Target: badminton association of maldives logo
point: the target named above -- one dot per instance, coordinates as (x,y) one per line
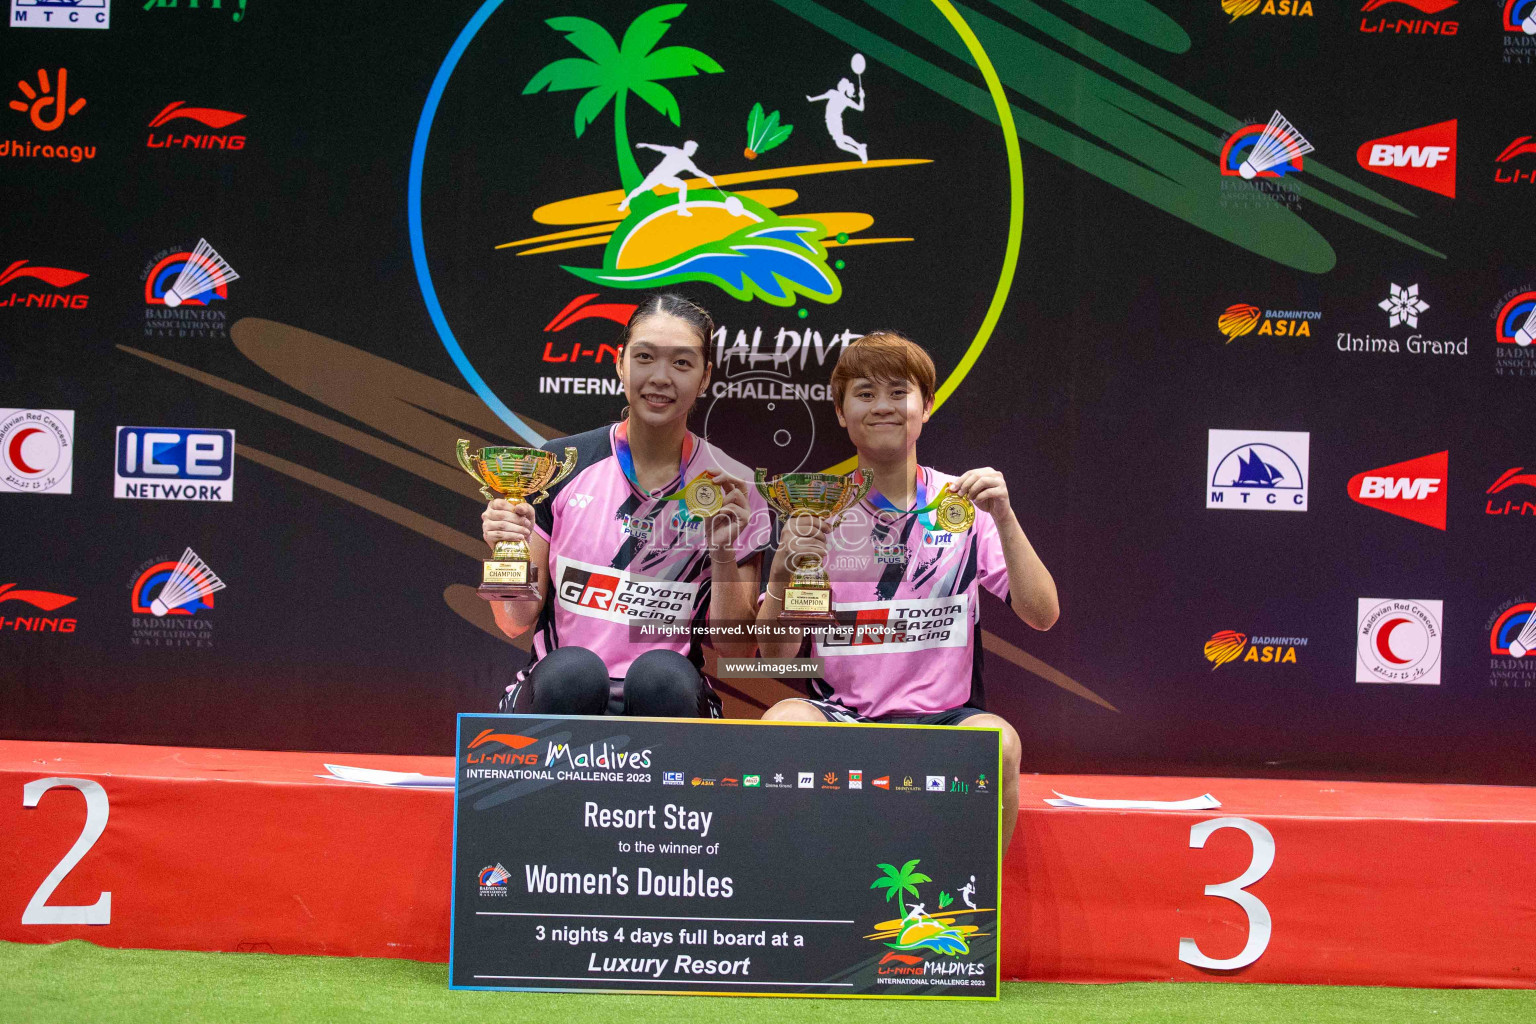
(1270,149)
(169,599)
(185,291)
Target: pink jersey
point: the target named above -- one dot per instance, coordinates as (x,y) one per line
(619,556)
(906,601)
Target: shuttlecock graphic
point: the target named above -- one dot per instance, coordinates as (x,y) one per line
(189,581)
(1521,645)
(204,271)
(1278,143)
(1238,8)
(1527,332)
(1239,319)
(1403,306)
(1224,646)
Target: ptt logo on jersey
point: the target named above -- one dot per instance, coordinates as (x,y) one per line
(208,117)
(603,592)
(879,627)
(937,538)
(1396,21)
(61,13)
(175,464)
(1257,470)
(1415,489)
(1422,157)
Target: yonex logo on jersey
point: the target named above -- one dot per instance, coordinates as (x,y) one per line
(579,501)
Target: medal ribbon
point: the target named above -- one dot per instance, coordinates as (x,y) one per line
(922,509)
(627,458)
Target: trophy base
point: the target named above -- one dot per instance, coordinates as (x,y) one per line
(808,606)
(504,580)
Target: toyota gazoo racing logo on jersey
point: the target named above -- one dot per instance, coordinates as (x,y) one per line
(174,464)
(177,135)
(1512,645)
(37,450)
(1228,645)
(1398,641)
(1257,470)
(877,627)
(19,619)
(1521,503)
(603,592)
(1257,160)
(1514,330)
(19,279)
(1422,157)
(1415,489)
(1242,319)
(1516,162)
(1408,18)
(185,292)
(491,747)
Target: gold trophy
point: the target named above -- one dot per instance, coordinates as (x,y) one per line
(513,473)
(808,598)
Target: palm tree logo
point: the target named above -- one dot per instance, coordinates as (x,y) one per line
(897,882)
(614,70)
(916,928)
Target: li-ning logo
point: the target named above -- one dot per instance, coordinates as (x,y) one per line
(56,277)
(576,311)
(511,740)
(42,599)
(206,116)
(1522,146)
(48,108)
(1410,26)
(1515,477)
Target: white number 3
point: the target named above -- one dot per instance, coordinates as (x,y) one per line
(1258,913)
(38,911)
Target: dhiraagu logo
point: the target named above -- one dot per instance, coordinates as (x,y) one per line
(935,928)
(618,149)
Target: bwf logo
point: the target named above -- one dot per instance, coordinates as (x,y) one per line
(1415,489)
(1257,470)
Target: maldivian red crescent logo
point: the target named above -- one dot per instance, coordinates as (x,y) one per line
(511,740)
(46,600)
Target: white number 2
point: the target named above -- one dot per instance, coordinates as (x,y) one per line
(1258,914)
(38,911)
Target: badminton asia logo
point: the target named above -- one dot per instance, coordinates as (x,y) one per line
(1408,18)
(1398,641)
(1261,156)
(1241,319)
(61,13)
(58,296)
(1272,8)
(1514,330)
(639,151)
(190,137)
(170,599)
(1414,490)
(37,450)
(1422,157)
(47,104)
(1512,645)
(184,292)
(17,619)
(1228,645)
(1257,470)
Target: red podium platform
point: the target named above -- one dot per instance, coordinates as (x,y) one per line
(248,850)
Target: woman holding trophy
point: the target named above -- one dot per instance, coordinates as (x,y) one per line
(904,566)
(651,535)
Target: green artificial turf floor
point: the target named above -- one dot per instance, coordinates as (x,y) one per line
(79,983)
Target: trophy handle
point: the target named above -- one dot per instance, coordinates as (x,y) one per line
(760,479)
(565,470)
(534,499)
(461,449)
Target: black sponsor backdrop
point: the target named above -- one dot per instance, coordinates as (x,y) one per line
(1094,398)
(816,864)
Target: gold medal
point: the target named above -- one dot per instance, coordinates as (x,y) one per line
(703,497)
(955,514)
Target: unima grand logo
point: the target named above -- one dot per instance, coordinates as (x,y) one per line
(1423,157)
(1398,641)
(37,450)
(1257,470)
(19,618)
(47,104)
(61,13)
(20,280)
(1408,18)
(179,135)
(1415,489)
(1404,307)
(647,148)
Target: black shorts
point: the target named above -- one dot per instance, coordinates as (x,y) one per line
(835,712)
